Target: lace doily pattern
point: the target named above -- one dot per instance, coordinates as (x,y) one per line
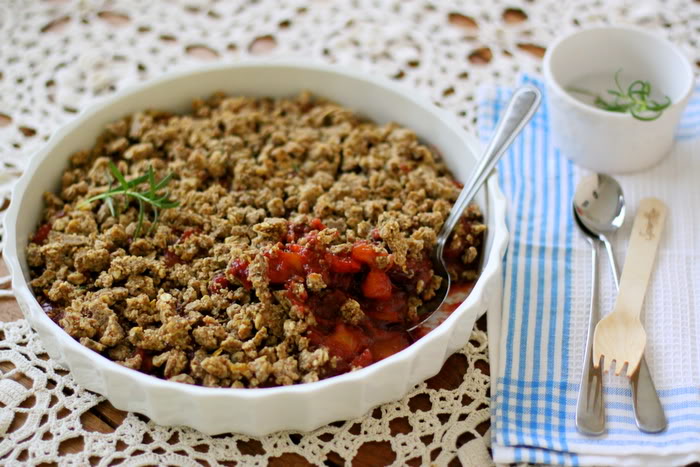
(42,408)
(59,56)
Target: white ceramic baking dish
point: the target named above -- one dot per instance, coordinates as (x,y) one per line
(258,411)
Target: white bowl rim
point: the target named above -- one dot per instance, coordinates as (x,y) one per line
(557,87)
(490,267)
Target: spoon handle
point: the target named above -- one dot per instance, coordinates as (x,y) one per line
(590,407)
(611,260)
(648,411)
(520,109)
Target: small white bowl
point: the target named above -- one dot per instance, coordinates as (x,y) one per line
(613,142)
(258,411)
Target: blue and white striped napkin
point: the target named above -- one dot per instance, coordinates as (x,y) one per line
(538,336)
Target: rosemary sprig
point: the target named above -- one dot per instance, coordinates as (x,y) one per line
(634,100)
(129,189)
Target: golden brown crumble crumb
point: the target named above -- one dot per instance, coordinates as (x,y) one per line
(196,300)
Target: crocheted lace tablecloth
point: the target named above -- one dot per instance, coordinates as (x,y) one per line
(59,56)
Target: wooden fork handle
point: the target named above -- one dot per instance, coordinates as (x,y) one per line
(641,253)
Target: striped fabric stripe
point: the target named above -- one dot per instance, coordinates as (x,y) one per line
(538,378)
(689,127)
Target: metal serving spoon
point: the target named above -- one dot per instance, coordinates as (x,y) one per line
(599,209)
(520,109)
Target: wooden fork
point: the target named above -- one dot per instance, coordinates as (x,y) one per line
(620,336)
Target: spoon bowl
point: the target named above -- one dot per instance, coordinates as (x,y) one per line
(588,234)
(600,204)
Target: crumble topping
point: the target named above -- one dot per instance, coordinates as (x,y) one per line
(300,243)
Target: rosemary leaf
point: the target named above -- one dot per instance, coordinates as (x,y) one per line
(635,100)
(129,189)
